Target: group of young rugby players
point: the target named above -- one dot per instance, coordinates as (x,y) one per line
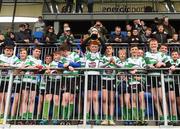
(32,77)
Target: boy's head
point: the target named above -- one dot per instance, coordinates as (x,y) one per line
(134,50)
(122,54)
(36,52)
(8,51)
(164,48)
(175,55)
(23,53)
(48,59)
(94,46)
(64,49)
(140,53)
(109,50)
(153,44)
(56,55)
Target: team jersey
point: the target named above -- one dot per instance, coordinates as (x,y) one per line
(121,74)
(109,74)
(92,61)
(135,63)
(72,57)
(167,58)
(176,63)
(29,76)
(152,59)
(54,64)
(6,60)
(19,63)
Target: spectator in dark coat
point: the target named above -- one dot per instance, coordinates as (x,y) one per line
(116,37)
(22,36)
(10,39)
(50,36)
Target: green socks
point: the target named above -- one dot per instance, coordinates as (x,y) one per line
(56,112)
(46,109)
(134,114)
(124,113)
(129,114)
(27,115)
(142,114)
(70,109)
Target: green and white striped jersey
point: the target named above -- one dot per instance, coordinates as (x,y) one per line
(121,74)
(135,63)
(176,63)
(6,60)
(72,57)
(152,59)
(54,64)
(19,63)
(92,61)
(104,63)
(29,76)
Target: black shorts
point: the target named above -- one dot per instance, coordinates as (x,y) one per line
(4,86)
(69,84)
(122,88)
(29,86)
(53,87)
(109,85)
(94,82)
(169,86)
(16,87)
(177,89)
(154,81)
(135,88)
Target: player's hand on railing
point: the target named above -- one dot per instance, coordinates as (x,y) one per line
(160,64)
(172,68)
(66,65)
(133,71)
(71,68)
(112,61)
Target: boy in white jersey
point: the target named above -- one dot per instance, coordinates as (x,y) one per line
(136,84)
(154,59)
(122,88)
(108,84)
(176,77)
(29,83)
(70,80)
(17,85)
(92,58)
(6,60)
(42,85)
(53,88)
(169,85)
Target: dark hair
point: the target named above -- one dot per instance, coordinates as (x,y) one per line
(164,44)
(21,25)
(37,47)
(9,47)
(23,49)
(64,47)
(48,55)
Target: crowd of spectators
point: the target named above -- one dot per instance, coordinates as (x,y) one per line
(137,32)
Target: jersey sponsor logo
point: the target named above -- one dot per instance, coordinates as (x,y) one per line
(92,65)
(108,71)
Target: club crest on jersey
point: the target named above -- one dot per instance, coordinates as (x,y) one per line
(92,64)
(108,71)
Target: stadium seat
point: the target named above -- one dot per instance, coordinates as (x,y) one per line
(38,35)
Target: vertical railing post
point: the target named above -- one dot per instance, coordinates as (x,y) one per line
(85,98)
(164,98)
(7,103)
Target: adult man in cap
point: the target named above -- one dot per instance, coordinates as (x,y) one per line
(66,37)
